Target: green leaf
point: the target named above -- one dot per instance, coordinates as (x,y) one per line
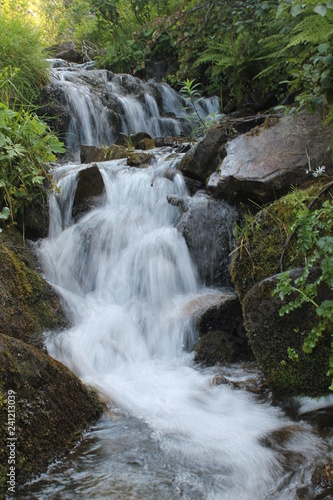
(323,48)
(295,10)
(320,9)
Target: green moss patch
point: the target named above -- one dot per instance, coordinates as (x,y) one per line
(28,305)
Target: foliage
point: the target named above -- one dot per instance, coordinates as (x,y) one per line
(313,228)
(26,146)
(23,68)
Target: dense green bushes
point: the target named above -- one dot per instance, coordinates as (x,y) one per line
(26,144)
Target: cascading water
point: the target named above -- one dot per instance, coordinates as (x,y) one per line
(126,276)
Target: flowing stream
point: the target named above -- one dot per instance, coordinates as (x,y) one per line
(126,276)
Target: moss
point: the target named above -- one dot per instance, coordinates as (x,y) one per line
(52,407)
(271,335)
(28,305)
(260,245)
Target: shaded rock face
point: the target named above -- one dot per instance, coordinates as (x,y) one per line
(28,305)
(52,408)
(270,336)
(269,159)
(90,185)
(67,51)
(206,225)
(203,159)
(222,332)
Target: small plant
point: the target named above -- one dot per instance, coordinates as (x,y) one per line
(26,147)
(312,227)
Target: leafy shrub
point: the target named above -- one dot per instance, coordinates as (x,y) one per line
(26,146)
(313,229)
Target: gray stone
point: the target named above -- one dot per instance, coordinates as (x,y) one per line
(269,159)
(206,225)
(203,158)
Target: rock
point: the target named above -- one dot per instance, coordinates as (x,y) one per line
(52,409)
(173,142)
(35,222)
(265,162)
(206,225)
(222,333)
(145,144)
(259,248)
(322,476)
(90,185)
(139,159)
(203,158)
(90,154)
(28,305)
(67,51)
(271,335)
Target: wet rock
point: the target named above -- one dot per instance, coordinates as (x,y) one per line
(268,160)
(203,158)
(222,332)
(52,409)
(90,185)
(145,144)
(135,159)
(206,225)
(28,305)
(90,154)
(271,335)
(322,476)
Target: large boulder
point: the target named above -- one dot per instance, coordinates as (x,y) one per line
(203,159)
(28,304)
(271,335)
(49,407)
(268,160)
(206,225)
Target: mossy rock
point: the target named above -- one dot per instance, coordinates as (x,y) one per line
(28,304)
(260,245)
(52,409)
(271,335)
(214,348)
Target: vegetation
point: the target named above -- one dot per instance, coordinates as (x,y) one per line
(26,143)
(312,228)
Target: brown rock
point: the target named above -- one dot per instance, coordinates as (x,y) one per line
(90,154)
(136,159)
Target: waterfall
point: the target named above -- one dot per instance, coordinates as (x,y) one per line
(101,104)
(126,276)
